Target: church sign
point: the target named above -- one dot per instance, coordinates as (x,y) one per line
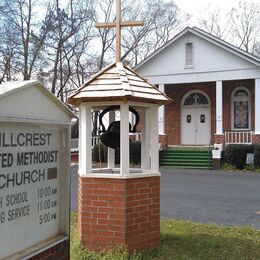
(34,186)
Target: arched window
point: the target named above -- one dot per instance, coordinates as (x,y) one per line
(241,109)
(195,98)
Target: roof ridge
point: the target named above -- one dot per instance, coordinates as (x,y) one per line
(124,79)
(228,44)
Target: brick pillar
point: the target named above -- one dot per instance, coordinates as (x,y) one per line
(113,212)
(256,138)
(219,139)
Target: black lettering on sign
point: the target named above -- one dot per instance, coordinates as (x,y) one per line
(29,158)
(6,160)
(24,139)
(21,178)
(52,173)
(16,198)
(17,213)
(2,217)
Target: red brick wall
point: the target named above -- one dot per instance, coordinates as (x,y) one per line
(256,139)
(113,212)
(177,92)
(74,157)
(60,251)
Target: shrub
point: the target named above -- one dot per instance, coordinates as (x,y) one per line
(135,152)
(235,154)
(100,152)
(257,156)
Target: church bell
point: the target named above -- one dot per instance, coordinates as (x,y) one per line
(111,136)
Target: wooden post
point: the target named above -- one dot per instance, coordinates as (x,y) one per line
(118,24)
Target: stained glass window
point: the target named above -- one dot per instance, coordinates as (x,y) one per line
(241,109)
(196,99)
(241,93)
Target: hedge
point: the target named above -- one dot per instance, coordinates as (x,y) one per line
(100,152)
(257,156)
(235,154)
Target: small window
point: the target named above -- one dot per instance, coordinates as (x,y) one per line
(189,54)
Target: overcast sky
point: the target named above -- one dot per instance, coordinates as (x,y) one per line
(195,7)
(198,8)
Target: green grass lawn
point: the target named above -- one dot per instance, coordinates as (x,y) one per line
(184,240)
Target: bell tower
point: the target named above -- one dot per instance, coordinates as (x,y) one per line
(117,204)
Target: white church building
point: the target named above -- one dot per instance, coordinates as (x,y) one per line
(215,88)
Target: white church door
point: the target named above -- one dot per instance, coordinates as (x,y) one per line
(195,119)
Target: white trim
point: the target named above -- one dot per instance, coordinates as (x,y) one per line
(146,134)
(85,149)
(249,108)
(162,113)
(188,76)
(103,104)
(142,174)
(124,139)
(219,108)
(257,106)
(110,151)
(154,140)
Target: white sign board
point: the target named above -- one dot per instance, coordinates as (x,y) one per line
(249,158)
(32,185)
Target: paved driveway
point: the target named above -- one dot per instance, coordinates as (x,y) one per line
(211,196)
(205,196)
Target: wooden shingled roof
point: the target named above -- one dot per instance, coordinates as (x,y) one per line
(118,82)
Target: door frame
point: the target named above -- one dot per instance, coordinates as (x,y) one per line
(208,106)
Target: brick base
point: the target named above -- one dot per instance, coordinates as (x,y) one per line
(60,251)
(113,212)
(256,139)
(219,139)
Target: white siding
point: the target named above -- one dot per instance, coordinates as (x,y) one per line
(211,63)
(33,103)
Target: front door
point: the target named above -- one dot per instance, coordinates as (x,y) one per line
(195,127)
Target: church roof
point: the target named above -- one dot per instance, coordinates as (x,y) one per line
(210,38)
(118,82)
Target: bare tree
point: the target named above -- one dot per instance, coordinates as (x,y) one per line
(67,41)
(240,25)
(216,22)
(246,25)
(8,55)
(161,19)
(104,13)
(18,15)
